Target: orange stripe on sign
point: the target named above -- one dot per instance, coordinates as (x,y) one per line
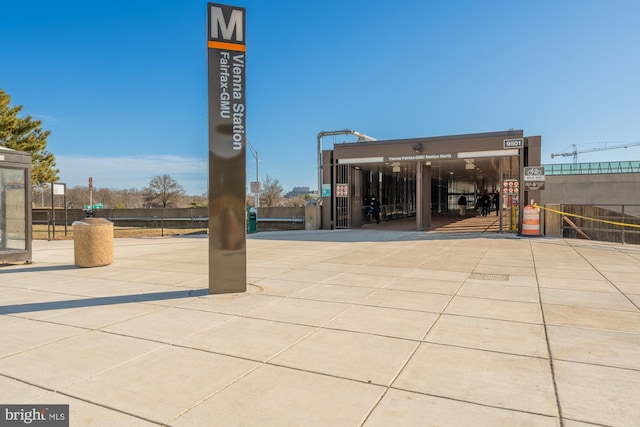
(226,46)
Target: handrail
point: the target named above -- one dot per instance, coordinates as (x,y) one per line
(156,218)
(201,219)
(292,219)
(603,221)
(46,221)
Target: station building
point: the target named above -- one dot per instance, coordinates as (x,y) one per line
(422,177)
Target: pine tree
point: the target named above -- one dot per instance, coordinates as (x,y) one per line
(26,134)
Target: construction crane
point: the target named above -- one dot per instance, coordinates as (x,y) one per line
(575,151)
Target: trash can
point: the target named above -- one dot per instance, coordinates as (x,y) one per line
(93,242)
(252,220)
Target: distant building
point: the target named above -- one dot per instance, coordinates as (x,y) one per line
(300,192)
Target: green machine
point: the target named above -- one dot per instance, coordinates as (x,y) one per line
(252,220)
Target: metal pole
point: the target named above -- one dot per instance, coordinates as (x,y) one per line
(501,197)
(258,181)
(361,137)
(254,152)
(521,194)
(53,211)
(622,234)
(320,135)
(66,210)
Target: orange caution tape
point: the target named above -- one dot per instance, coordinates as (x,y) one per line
(623,224)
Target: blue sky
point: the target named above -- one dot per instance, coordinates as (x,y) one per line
(122,85)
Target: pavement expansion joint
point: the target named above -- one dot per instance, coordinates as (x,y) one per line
(489,276)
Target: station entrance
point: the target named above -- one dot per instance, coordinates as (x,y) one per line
(422,180)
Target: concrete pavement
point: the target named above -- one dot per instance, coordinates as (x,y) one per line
(338,328)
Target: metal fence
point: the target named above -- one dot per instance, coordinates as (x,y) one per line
(596,168)
(343,201)
(276,218)
(608,223)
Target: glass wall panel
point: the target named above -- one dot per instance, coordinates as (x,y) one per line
(13,209)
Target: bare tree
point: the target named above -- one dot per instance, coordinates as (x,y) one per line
(271,194)
(131,198)
(163,191)
(112,198)
(295,201)
(77,197)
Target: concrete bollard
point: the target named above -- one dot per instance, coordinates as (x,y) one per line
(93,242)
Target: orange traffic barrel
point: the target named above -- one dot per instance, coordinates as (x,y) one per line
(531,221)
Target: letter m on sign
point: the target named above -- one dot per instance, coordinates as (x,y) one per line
(226,24)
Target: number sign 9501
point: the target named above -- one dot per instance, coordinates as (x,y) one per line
(513,143)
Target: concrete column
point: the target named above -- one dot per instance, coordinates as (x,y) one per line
(418,198)
(423,197)
(552,222)
(355,196)
(312,217)
(426,196)
(327,178)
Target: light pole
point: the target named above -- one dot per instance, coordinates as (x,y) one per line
(255,155)
(361,138)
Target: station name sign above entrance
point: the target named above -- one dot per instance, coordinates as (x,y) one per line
(441,156)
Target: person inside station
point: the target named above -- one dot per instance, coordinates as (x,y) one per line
(485,204)
(462,205)
(366,208)
(375,209)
